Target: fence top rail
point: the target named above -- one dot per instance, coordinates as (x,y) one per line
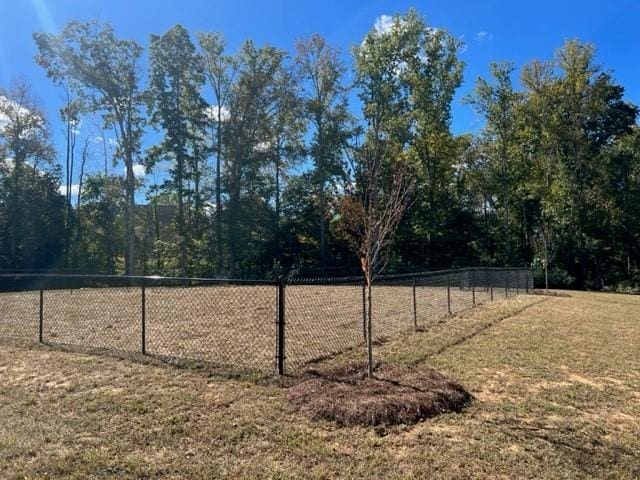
(36,281)
(400,276)
(32,281)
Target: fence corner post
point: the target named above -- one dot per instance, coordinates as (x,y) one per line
(491,289)
(144,318)
(41,317)
(280,335)
(506,285)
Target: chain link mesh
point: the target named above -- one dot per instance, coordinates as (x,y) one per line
(322,320)
(228,325)
(19,316)
(107,318)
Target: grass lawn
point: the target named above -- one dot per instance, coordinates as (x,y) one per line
(556,383)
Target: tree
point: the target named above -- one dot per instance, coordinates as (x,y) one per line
(251,102)
(431,73)
(284,146)
(371,217)
(105,69)
(176,106)
(29,181)
(325,107)
(498,103)
(382,173)
(220,71)
(104,207)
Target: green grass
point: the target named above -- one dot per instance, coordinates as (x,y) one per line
(556,384)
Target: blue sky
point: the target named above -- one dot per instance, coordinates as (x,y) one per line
(492,30)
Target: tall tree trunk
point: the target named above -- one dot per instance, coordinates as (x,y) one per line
(234,205)
(130,255)
(15,213)
(78,237)
(219,253)
(277,226)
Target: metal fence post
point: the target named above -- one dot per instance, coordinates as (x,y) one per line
(506,285)
(526,283)
(144,320)
(473,288)
(415,305)
(280,346)
(491,286)
(41,317)
(448,294)
(517,282)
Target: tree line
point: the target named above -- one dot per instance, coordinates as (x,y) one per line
(263,167)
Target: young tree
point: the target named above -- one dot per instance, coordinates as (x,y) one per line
(105,69)
(383,175)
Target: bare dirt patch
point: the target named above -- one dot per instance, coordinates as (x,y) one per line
(395,395)
(551,293)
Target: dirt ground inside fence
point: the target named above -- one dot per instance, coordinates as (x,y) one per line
(555,383)
(230,326)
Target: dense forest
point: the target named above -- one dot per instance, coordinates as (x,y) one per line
(250,157)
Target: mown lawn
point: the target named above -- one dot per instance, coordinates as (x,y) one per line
(556,384)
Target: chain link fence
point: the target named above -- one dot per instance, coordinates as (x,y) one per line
(243,325)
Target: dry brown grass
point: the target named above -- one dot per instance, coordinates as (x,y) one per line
(396,394)
(556,383)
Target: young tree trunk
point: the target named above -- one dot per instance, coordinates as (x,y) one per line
(369,332)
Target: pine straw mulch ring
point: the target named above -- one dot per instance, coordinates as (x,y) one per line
(397,394)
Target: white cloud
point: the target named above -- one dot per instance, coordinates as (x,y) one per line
(262,147)
(482,36)
(76,126)
(75,188)
(4,121)
(139,171)
(383,24)
(211,113)
(11,110)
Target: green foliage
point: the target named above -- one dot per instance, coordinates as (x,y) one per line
(265,160)
(32,211)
